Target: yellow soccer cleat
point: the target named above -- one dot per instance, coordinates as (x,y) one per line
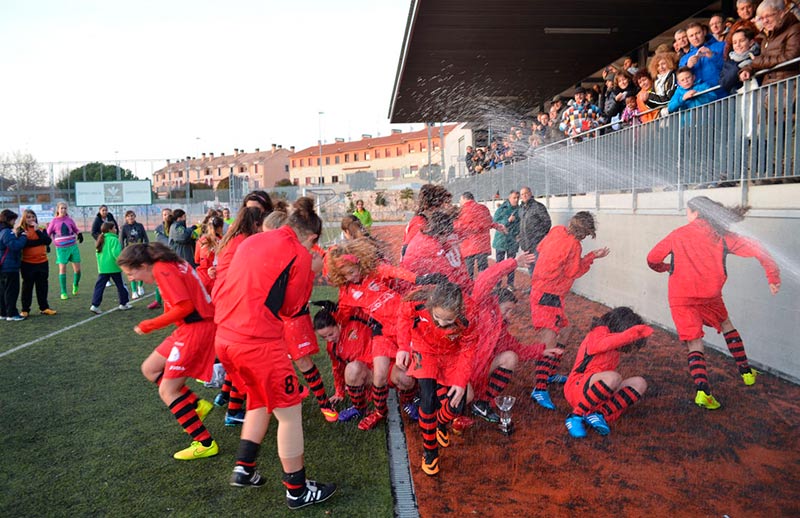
(203,408)
(197,451)
(48,312)
(430,463)
(705,400)
(750,377)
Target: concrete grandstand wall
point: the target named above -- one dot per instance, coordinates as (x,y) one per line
(770,325)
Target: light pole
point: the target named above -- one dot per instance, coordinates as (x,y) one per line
(319,122)
(116,159)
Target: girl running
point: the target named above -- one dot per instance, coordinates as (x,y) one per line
(558,265)
(437,339)
(274,280)
(186,353)
(133,232)
(66,236)
(697,274)
(35,267)
(595,390)
(12,241)
(108,250)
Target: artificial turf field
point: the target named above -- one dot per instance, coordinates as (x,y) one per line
(84,434)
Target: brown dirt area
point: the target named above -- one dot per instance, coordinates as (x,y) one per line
(664,457)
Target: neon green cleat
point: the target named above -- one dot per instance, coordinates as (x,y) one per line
(705,400)
(74,289)
(64,296)
(750,377)
(203,408)
(197,451)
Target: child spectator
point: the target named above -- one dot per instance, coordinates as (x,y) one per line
(581,117)
(108,250)
(35,267)
(685,96)
(697,274)
(66,236)
(363,214)
(630,115)
(132,233)
(12,241)
(744,49)
(595,390)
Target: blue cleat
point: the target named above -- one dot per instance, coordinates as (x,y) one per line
(411,409)
(348,414)
(234,418)
(575,426)
(542,397)
(598,422)
(222,399)
(557,378)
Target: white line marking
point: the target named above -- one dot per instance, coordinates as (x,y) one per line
(73,326)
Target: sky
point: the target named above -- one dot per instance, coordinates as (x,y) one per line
(91,80)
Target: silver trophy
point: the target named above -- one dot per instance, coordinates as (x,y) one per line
(504,404)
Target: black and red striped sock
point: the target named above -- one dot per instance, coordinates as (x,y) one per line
(235,400)
(314,380)
(246,455)
(595,394)
(698,371)
(295,482)
(427,425)
(619,402)
(407,396)
(191,395)
(498,380)
(183,408)
(379,395)
(358,397)
(446,414)
(736,347)
(226,385)
(544,369)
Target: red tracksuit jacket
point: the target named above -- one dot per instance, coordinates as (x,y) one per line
(559,262)
(426,254)
(472,226)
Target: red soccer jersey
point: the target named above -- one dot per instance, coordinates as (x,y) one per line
(472,226)
(599,351)
(697,269)
(559,262)
(224,258)
(270,280)
(178,282)
(426,254)
(416,224)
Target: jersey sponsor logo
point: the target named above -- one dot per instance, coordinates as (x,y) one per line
(357,294)
(304,344)
(176,368)
(453,257)
(174,355)
(374,286)
(383,299)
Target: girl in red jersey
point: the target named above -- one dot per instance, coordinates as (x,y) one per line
(697,274)
(436,340)
(362,278)
(596,391)
(189,351)
(205,252)
(274,280)
(558,265)
(430,198)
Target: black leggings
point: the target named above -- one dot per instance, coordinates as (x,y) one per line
(34,276)
(429,401)
(9,291)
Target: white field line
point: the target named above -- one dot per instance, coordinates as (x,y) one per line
(73,326)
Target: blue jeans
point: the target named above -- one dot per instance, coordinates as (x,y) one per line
(100,286)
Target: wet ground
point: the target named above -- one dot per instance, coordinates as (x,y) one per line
(664,457)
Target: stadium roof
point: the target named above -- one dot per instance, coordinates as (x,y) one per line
(462,59)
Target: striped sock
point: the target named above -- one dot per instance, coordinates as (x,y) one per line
(226,385)
(235,400)
(358,397)
(595,394)
(446,414)
(698,370)
(544,369)
(314,380)
(183,408)
(736,347)
(619,402)
(379,395)
(406,396)
(498,380)
(427,424)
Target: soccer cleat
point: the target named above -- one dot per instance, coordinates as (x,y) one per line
(411,409)
(598,422)
(430,463)
(706,400)
(154,305)
(24,314)
(140,290)
(234,418)
(557,378)
(314,494)
(17,318)
(370,421)
(109,283)
(241,478)
(442,436)
(461,423)
(125,307)
(203,408)
(134,295)
(222,399)
(348,414)
(575,426)
(64,296)
(197,451)
(483,409)
(542,397)
(48,311)
(330,414)
(749,378)
(95,309)
(74,290)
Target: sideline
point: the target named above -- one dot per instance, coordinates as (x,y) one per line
(73,326)
(405,500)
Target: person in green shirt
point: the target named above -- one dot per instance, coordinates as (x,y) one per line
(506,245)
(108,249)
(363,214)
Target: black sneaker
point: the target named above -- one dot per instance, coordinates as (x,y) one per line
(241,478)
(314,494)
(484,410)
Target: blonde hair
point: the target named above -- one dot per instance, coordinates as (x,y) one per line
(58,206)
(360,252)
(275,219)
(670,57)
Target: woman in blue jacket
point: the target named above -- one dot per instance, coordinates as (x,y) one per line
(12,241)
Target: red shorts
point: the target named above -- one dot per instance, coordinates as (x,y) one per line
(690,319)
(441,367)
(355,343)
(384,346)
(547,311)
(575,391)
(263,371)
(189,351)
(300,337)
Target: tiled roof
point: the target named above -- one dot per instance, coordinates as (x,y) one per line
(369,143)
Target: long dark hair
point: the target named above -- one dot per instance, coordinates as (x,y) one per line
(262,198)
(618,320)
(7,217)
(445,295)
(716,214)
(440,224)
(140,254)
(105,228)
(247,223)
(303,219)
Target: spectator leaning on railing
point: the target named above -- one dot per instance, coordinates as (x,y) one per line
(681,43)
(745,49)
(685,96)
(781,42)
(704,58)
(662,68)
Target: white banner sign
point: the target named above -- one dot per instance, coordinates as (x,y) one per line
(94,194)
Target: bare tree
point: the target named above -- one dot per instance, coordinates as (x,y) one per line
(23,171)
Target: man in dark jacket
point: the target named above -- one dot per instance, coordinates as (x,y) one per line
(534,222)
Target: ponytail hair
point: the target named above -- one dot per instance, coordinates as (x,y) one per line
(247,223)
(260,197)
(177,213)
(303,219)
(101,239)
(716,214)
(145,254)
(324,318)
(168,222)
